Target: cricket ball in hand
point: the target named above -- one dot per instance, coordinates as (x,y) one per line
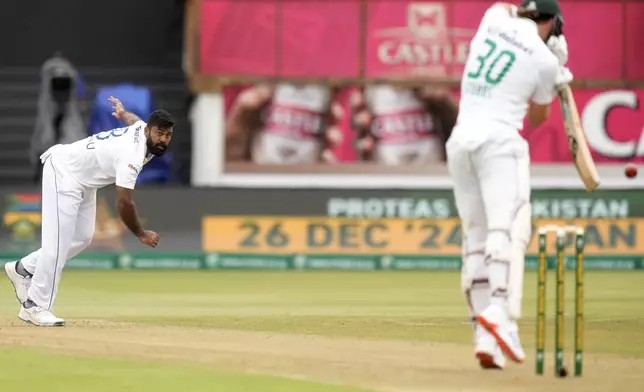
(630,170)
(563,372)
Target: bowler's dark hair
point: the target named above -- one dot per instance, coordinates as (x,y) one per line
(161,119)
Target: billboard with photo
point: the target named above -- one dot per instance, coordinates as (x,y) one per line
(397,127)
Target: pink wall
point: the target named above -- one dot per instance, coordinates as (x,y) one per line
(402,38)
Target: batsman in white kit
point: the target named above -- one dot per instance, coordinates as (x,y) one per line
(72,173)
(515,65)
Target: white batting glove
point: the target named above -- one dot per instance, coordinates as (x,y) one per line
(564,77)
(559,47)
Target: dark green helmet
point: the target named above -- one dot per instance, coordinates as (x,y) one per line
(546,8)
(542,7)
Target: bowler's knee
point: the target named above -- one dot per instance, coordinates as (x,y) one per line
(82,240)
(48,253)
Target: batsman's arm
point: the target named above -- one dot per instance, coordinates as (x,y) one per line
(545,92)
(538,114)
(515,11)
(498,14)
(127,210)
(511,8)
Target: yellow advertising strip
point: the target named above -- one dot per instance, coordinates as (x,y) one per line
(325,235)
(12,217)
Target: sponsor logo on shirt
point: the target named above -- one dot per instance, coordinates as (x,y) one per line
(131,166)
(136,134)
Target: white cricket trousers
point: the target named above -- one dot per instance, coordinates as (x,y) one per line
(492,194)
(68,220)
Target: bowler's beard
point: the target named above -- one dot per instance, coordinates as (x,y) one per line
(157,149)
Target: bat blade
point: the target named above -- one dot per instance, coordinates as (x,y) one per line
(577,144)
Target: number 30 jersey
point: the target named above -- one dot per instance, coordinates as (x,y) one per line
(110,157)
(508,65)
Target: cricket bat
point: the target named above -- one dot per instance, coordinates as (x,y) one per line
(577,140)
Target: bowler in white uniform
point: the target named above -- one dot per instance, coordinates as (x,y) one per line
(516,61)
(72,173)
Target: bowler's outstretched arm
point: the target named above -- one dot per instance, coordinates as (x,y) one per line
(120,113)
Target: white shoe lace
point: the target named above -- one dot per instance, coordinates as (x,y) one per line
(23,279)
(42,312)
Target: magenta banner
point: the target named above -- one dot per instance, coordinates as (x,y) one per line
(401,38)
(238,38)
(406,38)
(595,38)
(319,38)
(634,40)
(613,121)
(410,38)
(315,38)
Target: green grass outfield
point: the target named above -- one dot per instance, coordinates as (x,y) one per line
(389,309)
(61,373)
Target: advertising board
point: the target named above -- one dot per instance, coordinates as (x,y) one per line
(396,38)
(333,228)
